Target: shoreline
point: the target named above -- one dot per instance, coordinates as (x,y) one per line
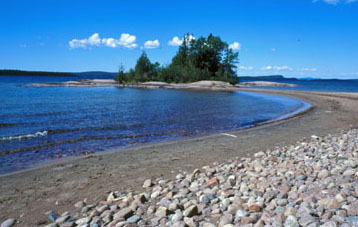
(39,189)
(199,85)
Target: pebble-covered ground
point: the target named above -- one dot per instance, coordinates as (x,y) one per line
(311,183)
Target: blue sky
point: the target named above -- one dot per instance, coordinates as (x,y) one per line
(299,38)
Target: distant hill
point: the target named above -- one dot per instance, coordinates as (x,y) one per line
(98,74)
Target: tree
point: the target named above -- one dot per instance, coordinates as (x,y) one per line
(229,63)
(121,76)
(143,68)
(197,59)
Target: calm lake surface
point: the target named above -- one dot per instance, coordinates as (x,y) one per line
(317,85)
(38,125)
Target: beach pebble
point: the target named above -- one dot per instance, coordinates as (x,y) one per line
(123,213)
(9,222)
(133,219)
(310,183)
(191,211)
(148,183)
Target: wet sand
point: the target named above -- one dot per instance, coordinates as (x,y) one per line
(28,194)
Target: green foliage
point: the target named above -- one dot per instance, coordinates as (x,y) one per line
(197,59)
(121,76)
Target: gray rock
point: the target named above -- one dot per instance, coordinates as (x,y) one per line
(306,219)
(161,212)
(224,220)
(148,183)
(352,219)
(62,219)
(323,173)
(53,216)
(191,211)
(179,224)
(330,224)
(123,213)
(178,216)
(291,221)
(8,223)
(133,219)
(82,221)
(240,214)
(206,224)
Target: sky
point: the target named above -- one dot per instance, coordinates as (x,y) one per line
(295,38)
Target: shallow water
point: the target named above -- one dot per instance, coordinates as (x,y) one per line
(38,125)
(317,85)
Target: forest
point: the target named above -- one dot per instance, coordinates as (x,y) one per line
(205,58)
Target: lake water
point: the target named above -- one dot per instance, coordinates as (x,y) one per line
(318,85)
(38,125)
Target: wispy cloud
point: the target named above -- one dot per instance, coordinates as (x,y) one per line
(152,44)
(335,2)
(126,40)
(308,70)
(277,68)
(235,46)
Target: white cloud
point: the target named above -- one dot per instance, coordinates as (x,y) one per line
(177,42)
(78,43)
(126,40)
(335,2)
(249,68)
(277,68)
(269,67)
(152,44)
(308,70)
(110,42)
(94,40)
(235,46)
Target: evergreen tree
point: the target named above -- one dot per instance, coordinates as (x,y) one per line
(197,59)
(142,68)
(121,76)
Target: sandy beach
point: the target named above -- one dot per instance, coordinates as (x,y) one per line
(29,194)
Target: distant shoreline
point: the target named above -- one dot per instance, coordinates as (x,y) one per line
(211,85)
(34,73)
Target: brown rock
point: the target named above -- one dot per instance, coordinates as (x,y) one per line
(254,207)
(247,220)
(212,182)
(333,204)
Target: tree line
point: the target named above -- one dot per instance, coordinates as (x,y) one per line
(205,58)
(10,72)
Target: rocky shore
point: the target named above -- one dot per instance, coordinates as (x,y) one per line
(28,196)
(266,84)
(310,183)
(207,85)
